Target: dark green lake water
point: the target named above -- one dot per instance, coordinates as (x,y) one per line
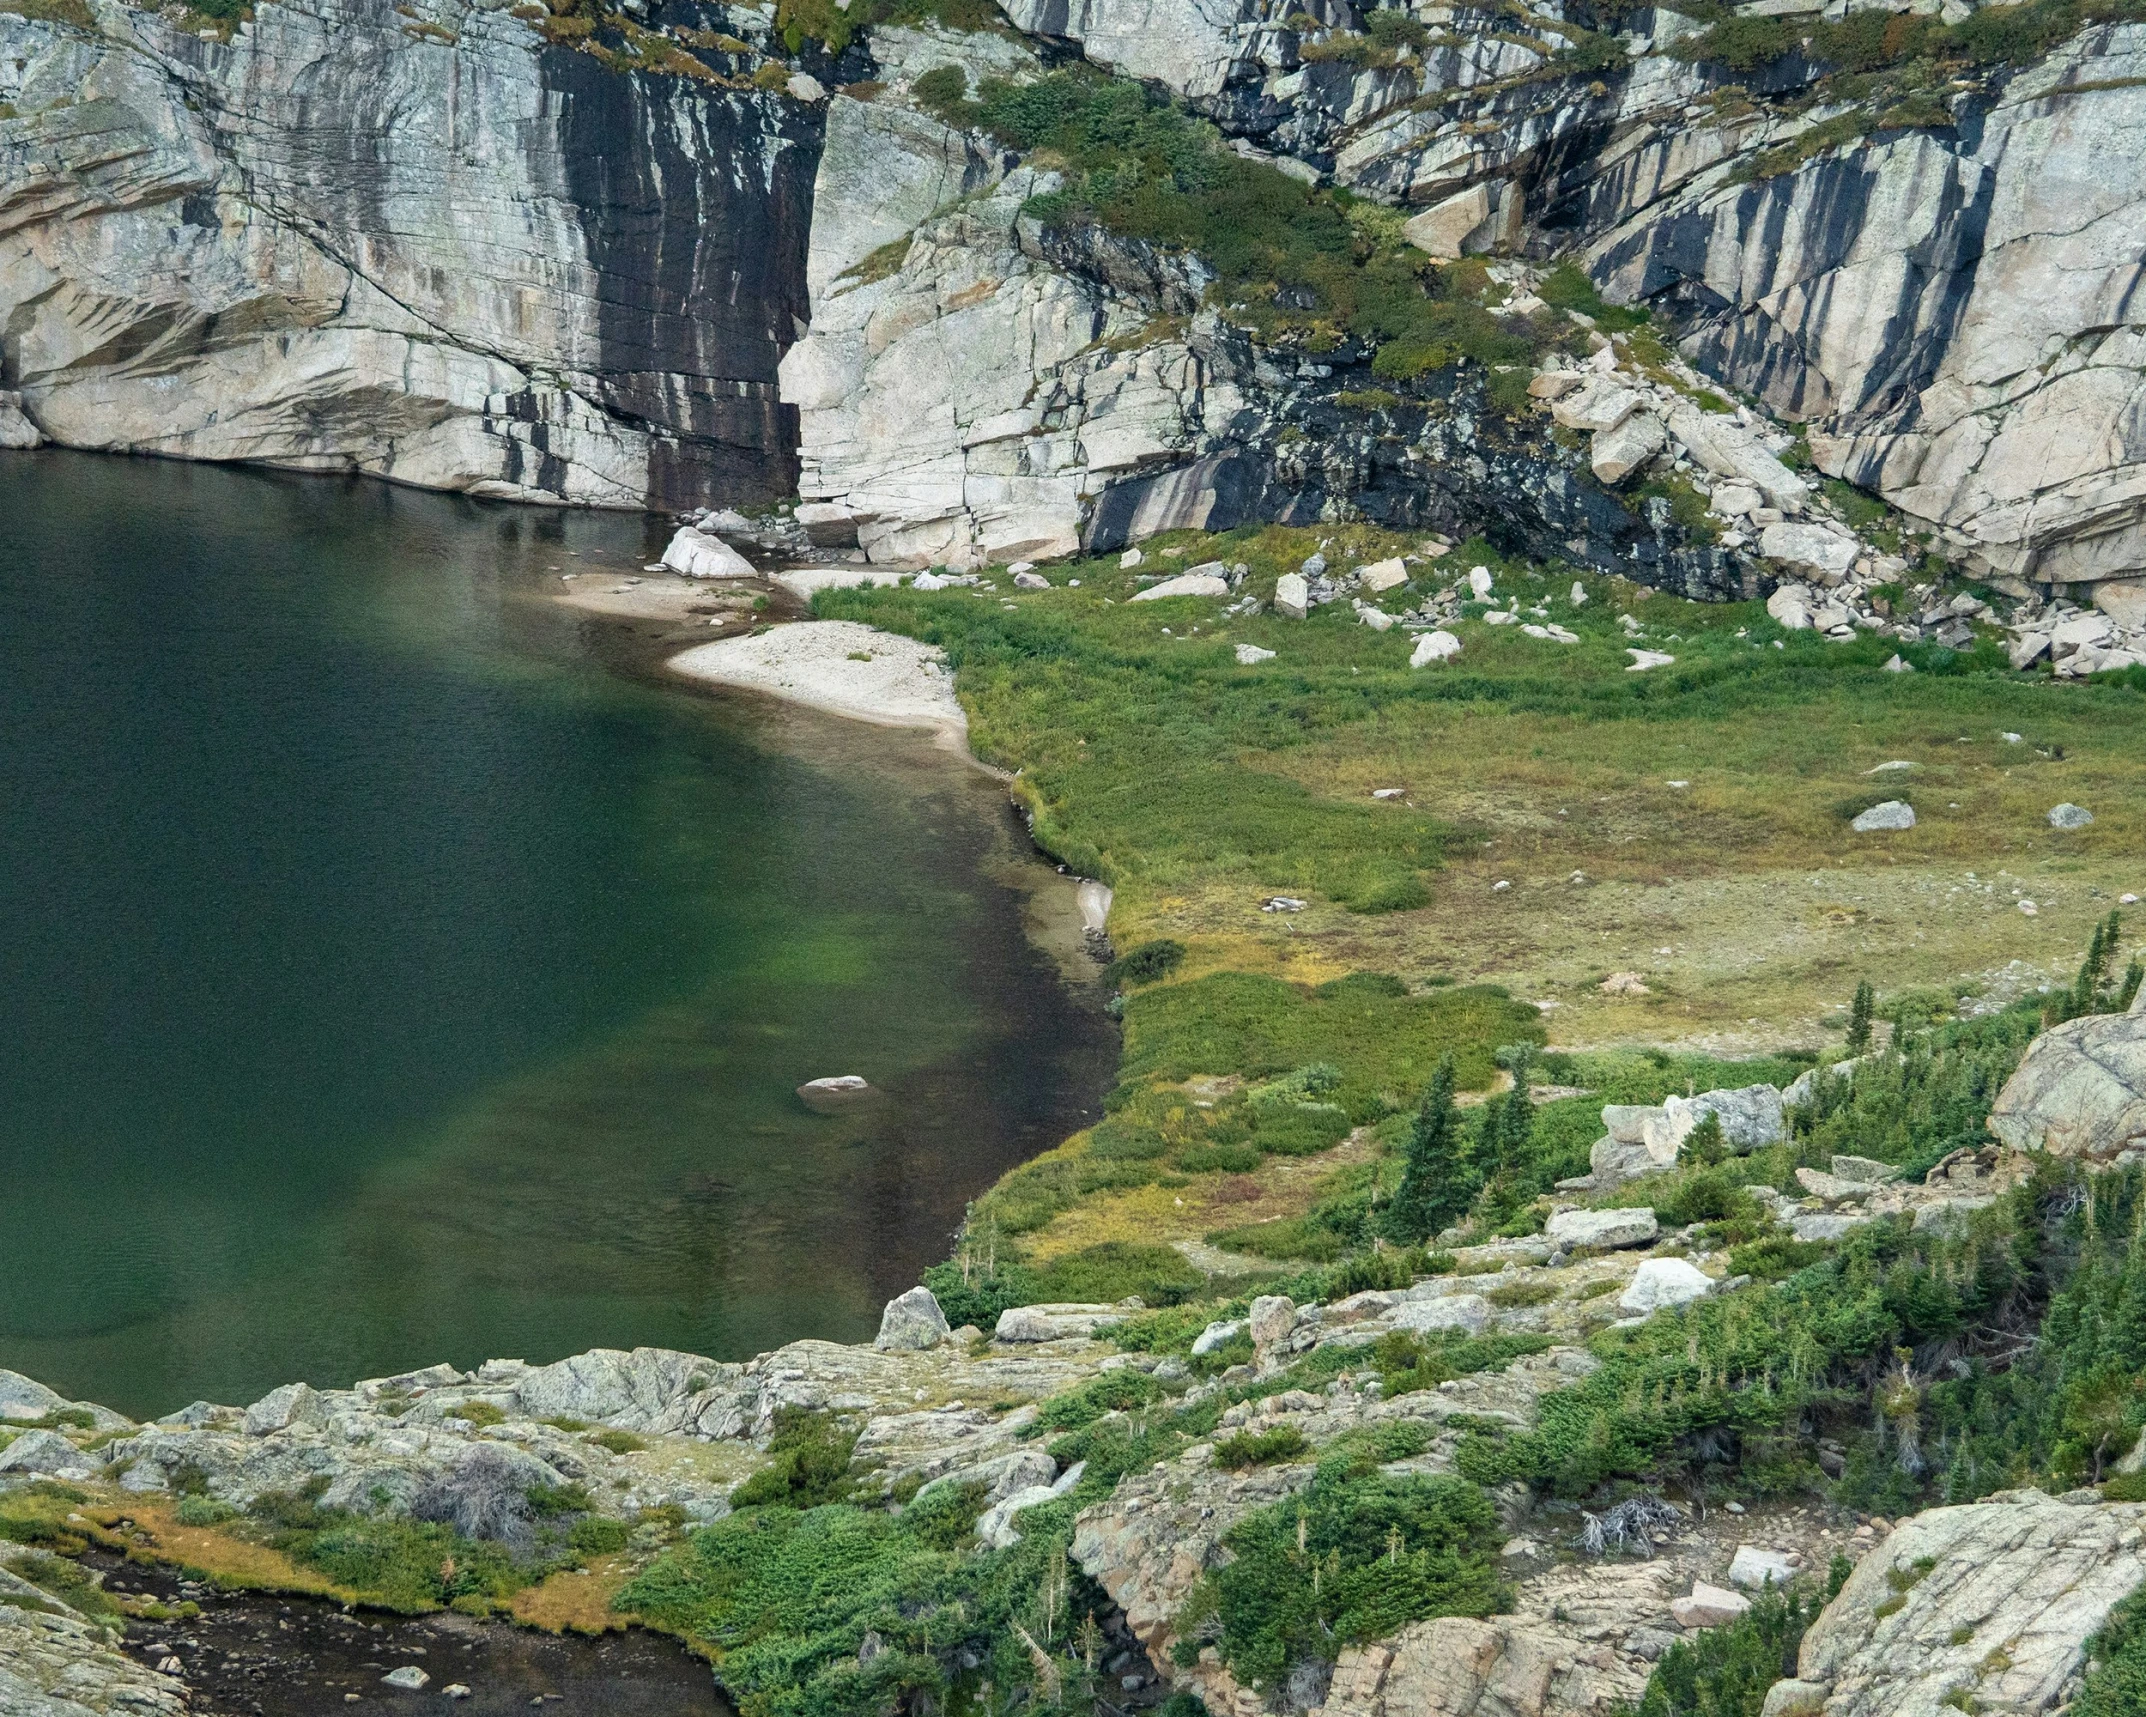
(394,969)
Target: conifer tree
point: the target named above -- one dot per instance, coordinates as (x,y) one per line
(1516,1118)
(1434,1183)
(1859,1012)
(2086,991)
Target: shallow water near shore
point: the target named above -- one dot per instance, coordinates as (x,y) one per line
(394,968)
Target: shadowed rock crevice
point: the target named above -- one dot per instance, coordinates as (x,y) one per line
(696,208)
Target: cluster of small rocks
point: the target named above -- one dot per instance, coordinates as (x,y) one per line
(2076,641)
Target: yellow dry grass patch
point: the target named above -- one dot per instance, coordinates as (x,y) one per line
(1186,1208)
(577,1600)
(1733,959)
(150,1531)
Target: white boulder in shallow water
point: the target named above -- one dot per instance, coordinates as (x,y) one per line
(699,555)
(837,1092)
(912,1323)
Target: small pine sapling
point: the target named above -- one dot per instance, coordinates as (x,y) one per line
(1859,1012)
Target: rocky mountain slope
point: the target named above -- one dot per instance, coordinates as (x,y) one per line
(1148,1452)
(696,255)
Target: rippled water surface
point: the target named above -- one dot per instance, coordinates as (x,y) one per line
(393,968)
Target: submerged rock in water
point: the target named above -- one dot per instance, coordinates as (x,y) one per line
(832,1095)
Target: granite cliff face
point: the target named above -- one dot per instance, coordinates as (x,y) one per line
(424,246)
(658,264)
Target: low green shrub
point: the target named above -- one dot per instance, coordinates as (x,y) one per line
(1289,1239)
(1408,1362)
(1301,1129)
(1147,964)
(1108,1392)
(808,1463)
(618,1442)
(2116,1685)
(1726,1671)
(1116,1270)
(1351,1559)
(1267,1448)
(783,1601)
(67,1580)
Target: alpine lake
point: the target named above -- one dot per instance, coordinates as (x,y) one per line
(397,966)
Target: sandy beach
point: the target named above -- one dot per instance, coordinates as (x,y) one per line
(842,667)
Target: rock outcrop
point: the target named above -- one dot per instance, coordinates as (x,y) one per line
(445,244)
(957,403)
(1983,1607)
(1161,1531)
(54,1663)
(2080,1091)
(412,241)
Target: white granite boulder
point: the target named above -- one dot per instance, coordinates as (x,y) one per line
(1709,1606)
(1605,1229)
(1184,584)
(697,554)
(911,1323)
(49,1454)
(1889,817)
(1755,1569)
(1660,1283)
(294,1404)
(2080,1091)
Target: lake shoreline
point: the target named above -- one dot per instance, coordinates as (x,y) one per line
(647,919)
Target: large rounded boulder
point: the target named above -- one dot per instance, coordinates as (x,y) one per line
(2081,1091)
